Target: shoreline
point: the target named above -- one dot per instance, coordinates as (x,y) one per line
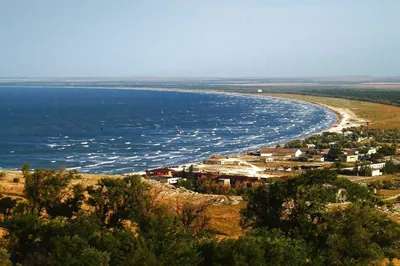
(344,117)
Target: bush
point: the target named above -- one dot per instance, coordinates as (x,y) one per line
(302,159)
(2,174)
(16,180)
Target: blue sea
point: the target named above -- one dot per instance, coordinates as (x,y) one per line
(122,131)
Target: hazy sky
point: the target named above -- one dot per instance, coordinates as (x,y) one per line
(199,38)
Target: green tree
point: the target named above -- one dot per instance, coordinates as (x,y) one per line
(334,153)
(74,250)
(391,168)
(387,150)
(116,200)
(358,235)
(188,184)
(265,205)
(6,206)
(47,190)
(260,247)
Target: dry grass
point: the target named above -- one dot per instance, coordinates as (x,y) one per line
(387,193)
(225,220)
(381,178)
(395,262)
(380,116)
(8,187)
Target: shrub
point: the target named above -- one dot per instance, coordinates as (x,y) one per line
(2,174)
(16,180)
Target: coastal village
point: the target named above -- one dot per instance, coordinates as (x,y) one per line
(349,148)
(286,161)
(282,161)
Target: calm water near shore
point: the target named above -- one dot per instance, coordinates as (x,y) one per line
(120,131)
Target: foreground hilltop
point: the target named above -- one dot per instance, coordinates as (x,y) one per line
(315,218)
(222,210)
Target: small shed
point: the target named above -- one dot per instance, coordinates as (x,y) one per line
(160,172)
(224,181)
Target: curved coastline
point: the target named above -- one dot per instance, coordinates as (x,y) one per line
(345,118)
(339,117)
(337,126)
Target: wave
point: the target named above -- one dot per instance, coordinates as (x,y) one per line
(212,124)
(99,164)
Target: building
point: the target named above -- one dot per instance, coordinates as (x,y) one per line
(165,179)
(162,172)
(317,158)
(348,157)
(347,133)
(224,181)
(373,166)
(376,172)
(253,153)
(307,150)
(312,167)
(312,146)
(215,159)
(377,166)
(279,152)
(371,151)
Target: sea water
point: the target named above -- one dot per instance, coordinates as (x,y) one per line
(121,131)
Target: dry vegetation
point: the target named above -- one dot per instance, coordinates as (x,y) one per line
(224,213)
(225,219)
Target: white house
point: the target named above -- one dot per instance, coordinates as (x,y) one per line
(376,172)
(373,166)
(224,181)
(349,157)
(216,159)
(279,152)
(377,166)
(165,179)
(371,151)
(347,133)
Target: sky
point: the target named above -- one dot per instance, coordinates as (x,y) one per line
(199,38)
